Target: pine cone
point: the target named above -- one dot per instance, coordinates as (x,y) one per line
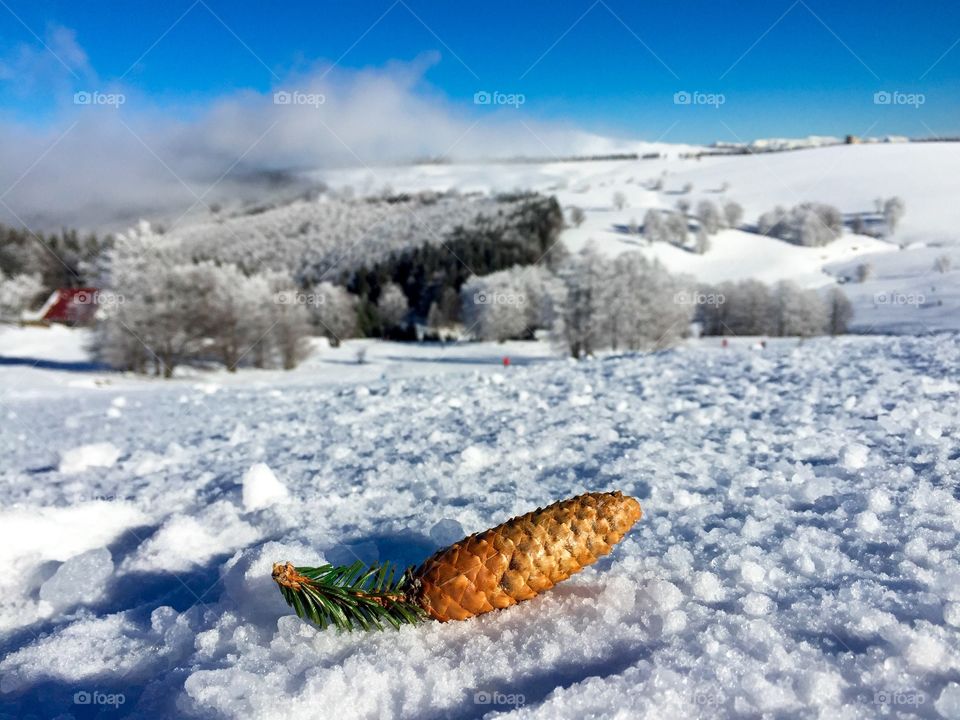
(522,557)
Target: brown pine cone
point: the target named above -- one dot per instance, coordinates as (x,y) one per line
(522,557)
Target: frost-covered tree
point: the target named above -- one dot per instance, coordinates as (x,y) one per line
(893,211)
(864,271)
(683,206)
(676,229)
(335,311)
(942,264)
(163,319)
(839,311)
(653,226)
(19,293)
(238,313)
(582,317)
(797,312)
(808,224)
(769,222)
(748,307)
(628,303)
(392,306)
(290,327)
(577,216)
(641,308)
(702,241)
(709,216)
(509,304)
(733,213)
(619,200)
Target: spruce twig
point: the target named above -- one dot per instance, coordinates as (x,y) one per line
(346,596)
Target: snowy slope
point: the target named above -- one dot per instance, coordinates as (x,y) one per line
(850,177)
(798,555)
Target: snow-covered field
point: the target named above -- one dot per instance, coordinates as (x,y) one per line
(797,557)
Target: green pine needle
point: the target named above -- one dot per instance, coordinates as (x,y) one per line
(349,596)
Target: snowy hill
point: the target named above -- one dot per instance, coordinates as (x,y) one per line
(797,554)
(849,177)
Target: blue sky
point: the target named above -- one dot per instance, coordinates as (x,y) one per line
(784,68)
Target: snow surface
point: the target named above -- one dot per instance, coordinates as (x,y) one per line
(797,557)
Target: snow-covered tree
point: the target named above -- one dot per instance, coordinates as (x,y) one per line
(392,306)
(676,229)
(702,240)
(619,200)
(709,216)
(18,293)
(290,329)
(797,312)
(335,311)
(864,271)
(942,264)
(629,303)
(808,224)
(893,211)
(839,311)
(683,206)
(748,308)
(238,313)
(641,308)
(577,216)
(733,213)
(582,316)
(509,304)
(653,227)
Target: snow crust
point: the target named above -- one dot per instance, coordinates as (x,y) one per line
(798,555)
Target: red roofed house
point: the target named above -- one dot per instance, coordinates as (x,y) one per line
(70,306)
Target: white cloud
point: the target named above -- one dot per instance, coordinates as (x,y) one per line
(106,165)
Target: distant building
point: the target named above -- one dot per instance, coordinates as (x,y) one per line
(68,306)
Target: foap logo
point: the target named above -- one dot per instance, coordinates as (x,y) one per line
(498,298)
(699,298)
(899,698)
(898,298)
(705,698)
(295,97)
(484,97)
(103,299)
(85,97)
(715,100)
(95,697)
(895,97)
(487,697)
(295,297)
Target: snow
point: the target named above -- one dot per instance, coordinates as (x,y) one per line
(798,553)
(96,455)
(80,579)
(261,488)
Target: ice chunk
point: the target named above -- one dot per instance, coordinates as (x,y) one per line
(80,580)
(261,488)
(81,458)
(707,587)
(948,704)
(854,456)
(476,457)
(757,604)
